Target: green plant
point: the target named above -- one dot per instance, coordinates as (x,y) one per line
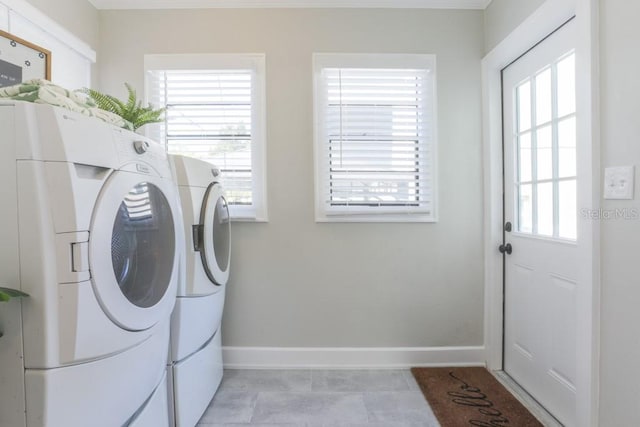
(130,110)
(7,293)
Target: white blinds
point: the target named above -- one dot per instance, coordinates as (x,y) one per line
(376,141)
(209,116)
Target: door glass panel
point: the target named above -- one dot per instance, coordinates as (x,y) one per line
(545,122)
(545,153)
(567,86)
(568,215)
(221,233)
(543,97)
(143,245)
(525,157)
(525,202)
(523,94)
(545,209)
(567,147)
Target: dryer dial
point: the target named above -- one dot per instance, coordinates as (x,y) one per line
(141,147)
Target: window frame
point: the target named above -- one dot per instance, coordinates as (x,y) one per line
(381,61)
(257,211)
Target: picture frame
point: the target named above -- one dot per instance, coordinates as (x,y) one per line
(21,60)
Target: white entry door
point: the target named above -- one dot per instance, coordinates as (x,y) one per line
(540,223)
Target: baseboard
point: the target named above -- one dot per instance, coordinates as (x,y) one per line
(350,357)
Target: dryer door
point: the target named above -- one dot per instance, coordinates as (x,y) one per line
(132,249)
(214,235)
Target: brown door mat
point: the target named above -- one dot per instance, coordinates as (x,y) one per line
(471,397)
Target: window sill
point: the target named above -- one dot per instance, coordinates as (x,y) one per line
(248,219)
(247,214)
(377,218)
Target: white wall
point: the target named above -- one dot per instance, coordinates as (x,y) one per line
(69,31)
(77,16)
(302,284)
(503,16)
(620,106)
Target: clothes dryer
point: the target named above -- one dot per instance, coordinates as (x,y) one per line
(196,353)
(89,226)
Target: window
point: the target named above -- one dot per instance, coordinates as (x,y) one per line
(375,137)
(215,112)
(545,138)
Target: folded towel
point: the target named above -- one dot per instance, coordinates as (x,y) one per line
(42,91)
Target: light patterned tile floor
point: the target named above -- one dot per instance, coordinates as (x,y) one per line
(318,398)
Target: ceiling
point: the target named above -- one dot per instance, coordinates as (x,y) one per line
(201,4)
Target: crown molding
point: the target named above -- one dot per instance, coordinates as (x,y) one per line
(263,4)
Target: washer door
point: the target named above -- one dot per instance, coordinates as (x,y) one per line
(214,235)
(132,249)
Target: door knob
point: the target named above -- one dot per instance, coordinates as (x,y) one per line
(506,248)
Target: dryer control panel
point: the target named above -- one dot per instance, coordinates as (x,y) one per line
(144,152)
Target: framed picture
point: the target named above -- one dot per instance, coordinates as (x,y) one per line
(21,60)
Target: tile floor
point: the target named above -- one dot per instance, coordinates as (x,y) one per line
(318,398)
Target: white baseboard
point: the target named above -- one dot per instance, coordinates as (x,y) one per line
(350,357)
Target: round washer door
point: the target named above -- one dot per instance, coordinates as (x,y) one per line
(215,248)
(132,249)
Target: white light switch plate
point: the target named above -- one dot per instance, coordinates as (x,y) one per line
(618,183)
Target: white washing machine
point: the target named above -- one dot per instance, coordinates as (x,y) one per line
(90,229)
(195,370)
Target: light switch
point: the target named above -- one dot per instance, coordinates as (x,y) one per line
(618,183)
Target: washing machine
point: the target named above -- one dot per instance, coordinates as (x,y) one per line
(195,368)
(90,228)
